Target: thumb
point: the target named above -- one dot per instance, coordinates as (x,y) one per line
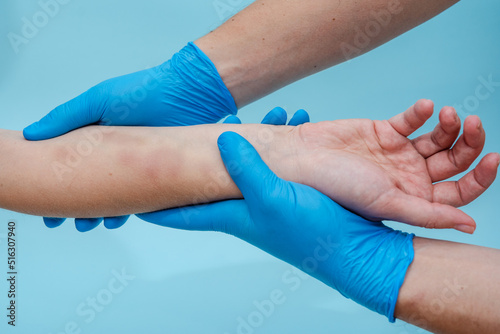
(247,169)
(65,118)
(420,212)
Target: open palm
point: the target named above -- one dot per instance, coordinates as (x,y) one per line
(374,169)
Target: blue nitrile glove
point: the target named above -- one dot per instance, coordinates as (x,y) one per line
(186,90)
(277,116)
(364,260)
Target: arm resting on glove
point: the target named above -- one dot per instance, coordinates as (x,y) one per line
(110,171)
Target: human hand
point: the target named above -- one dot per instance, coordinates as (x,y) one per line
(364,260)
(373,168)
(277,116)
(185,90)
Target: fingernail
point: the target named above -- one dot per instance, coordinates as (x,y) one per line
(465,228)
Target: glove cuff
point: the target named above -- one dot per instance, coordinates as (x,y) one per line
(398,274)
(376,263)
(201,93)
(228,99)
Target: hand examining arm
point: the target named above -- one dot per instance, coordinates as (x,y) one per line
(188,89)
(291,40)
(447,288)
(147,169)
(184,90)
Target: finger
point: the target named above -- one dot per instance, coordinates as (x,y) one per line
(407,122)
(87,224)
(252,176)
(471,186)
(420,212)
(221,216)
(112,223)
(300,117)
(448,163)
(442,137)
(232,120)
(65,118)
(277,116)
(53,222)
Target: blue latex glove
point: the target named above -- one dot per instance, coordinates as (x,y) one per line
(277,116)
(364,260)
(185,90)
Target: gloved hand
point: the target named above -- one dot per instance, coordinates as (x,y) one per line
(185,90)
(277,116)
(364,260)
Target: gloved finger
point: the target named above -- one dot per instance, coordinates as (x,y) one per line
(300,117)
(232,120)
(65,118)
(53,222)
(87,224)
(221,216)
(115,222)
(247,169)
(277,116)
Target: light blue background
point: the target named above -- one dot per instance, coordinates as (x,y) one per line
(189,282)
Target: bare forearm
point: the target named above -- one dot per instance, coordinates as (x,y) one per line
(272,43)
(452,288)
(106,171)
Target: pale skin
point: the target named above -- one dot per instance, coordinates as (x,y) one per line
(273,43)
(89,172)
(451,288)
(305,39)
(147,169)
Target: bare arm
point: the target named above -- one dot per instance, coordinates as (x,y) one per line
(368,166)
(273,43)
(452,288)
(108,171)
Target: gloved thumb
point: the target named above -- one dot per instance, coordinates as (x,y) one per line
(65,118)
(247,169)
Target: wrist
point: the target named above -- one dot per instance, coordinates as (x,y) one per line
(306,140)
(276,145)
